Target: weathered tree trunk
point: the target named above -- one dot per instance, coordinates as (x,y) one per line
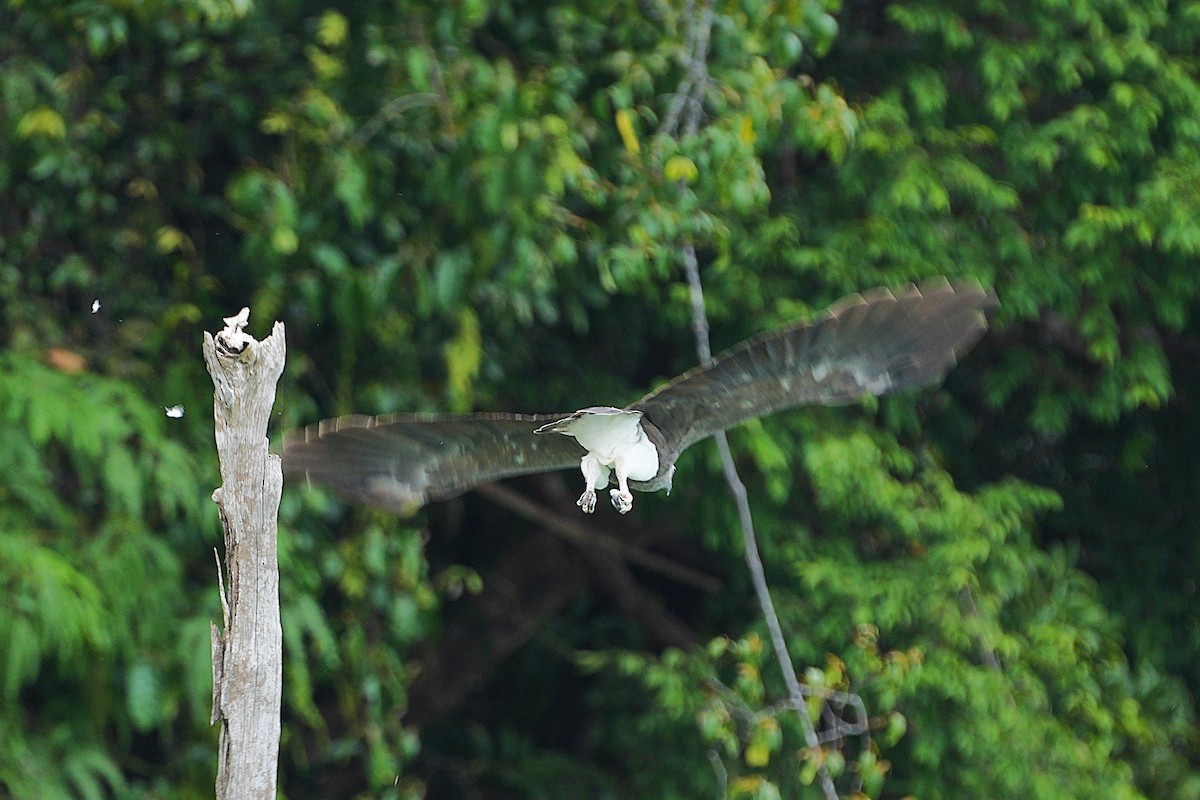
(248,655)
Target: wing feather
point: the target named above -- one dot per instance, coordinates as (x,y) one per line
(875,343)
(402,461)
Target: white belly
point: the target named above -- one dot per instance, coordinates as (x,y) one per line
(608,437)
(641,458)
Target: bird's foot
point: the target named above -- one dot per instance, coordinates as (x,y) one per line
(587,501)
(622,501)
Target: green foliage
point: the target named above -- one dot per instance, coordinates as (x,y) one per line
(481,206)
(95,500)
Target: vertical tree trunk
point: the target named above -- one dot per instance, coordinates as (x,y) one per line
(248,654)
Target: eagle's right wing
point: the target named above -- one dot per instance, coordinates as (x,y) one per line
(874,343)
(400,462)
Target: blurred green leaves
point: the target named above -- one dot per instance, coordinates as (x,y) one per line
(90,475)
(475,206)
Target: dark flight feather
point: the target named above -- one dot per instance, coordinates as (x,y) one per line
(402,461)
(875,343)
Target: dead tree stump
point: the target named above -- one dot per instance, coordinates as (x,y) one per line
(248,654)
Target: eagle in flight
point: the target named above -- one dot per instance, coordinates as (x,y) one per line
(875,343)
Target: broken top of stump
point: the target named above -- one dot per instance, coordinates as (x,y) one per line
(239,363)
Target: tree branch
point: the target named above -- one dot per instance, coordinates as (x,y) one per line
(588,537)
(689,97)
(534,581)
(796,692)
(688,100)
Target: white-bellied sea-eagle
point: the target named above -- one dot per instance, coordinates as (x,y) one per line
(875,343)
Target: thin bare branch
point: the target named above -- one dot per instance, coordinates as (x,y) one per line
(391,111)
(689,96)
(796,692)
(683,116)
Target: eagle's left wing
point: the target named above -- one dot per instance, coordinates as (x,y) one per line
(402,461)
(874,343)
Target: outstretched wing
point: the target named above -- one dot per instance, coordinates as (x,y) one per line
(400,462)
(874,343)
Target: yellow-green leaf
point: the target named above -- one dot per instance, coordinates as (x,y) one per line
(628,135)
(680,168)
(757,754)
(275,122)
(332,29)
(464,354)
(745,785)
(284,240)
(168,239)
(42,121)
(510,135)
(746,130)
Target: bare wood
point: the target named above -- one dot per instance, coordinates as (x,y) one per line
(248,655)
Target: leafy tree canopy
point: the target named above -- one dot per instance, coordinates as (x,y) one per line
(476,205)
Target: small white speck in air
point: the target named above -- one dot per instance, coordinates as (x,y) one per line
(174,412)
(95,305)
